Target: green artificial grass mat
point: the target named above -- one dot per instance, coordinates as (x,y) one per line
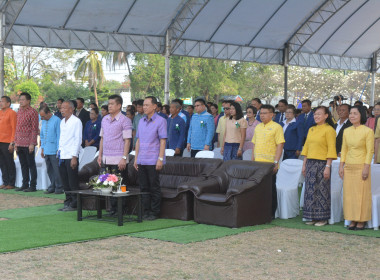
(35,194)
(194,233)
(20,213)
(62,227)
(297,223)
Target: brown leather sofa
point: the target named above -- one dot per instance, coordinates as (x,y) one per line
(177,204)
(237,194)
(177,170)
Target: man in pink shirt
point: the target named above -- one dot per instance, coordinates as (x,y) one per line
(116,134)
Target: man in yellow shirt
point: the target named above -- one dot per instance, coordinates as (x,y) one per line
(268,143)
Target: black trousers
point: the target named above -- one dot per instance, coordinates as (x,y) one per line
(7,164)
(194,152)
(28,164)
(114,169)
(149,180)
(70,182)
(274,195)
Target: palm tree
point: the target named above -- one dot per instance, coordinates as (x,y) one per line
(90,68)
(118,59)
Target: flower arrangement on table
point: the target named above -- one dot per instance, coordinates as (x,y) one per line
(106,181)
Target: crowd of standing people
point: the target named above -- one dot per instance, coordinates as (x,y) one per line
(269,134)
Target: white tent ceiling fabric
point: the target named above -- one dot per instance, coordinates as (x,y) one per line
(338,34)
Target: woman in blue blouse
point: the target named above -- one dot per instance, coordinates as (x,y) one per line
(92,129)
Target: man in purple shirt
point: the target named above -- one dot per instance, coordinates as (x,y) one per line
(150,157)
(116,134)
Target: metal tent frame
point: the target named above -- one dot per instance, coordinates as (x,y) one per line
(332,34)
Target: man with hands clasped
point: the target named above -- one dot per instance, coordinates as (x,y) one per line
(150,157)
(70,142)
(268,142)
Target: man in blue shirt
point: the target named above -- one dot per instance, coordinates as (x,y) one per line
(59,105)
(201,130)
(176,130)
(50,131)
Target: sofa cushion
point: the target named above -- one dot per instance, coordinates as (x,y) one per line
(237,172)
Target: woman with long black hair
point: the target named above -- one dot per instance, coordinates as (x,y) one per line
(234,134)
(319,151)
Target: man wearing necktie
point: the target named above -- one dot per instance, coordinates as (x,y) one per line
(282,105)
(307,116)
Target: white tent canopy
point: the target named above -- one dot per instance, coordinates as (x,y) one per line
(337,34)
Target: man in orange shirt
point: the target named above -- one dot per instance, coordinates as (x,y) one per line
(8,119)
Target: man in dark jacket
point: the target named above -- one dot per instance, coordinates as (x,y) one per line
(341,125)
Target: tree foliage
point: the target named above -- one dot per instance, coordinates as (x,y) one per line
(30,87)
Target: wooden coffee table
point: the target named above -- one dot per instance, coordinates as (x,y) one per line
(118,196)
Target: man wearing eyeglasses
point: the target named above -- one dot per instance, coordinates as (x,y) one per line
(222,121)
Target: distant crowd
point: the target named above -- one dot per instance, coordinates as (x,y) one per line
(264,133)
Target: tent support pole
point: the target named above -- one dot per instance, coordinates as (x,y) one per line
(373,76)
(285,62)
(286,82)
(2,82)
(167,68)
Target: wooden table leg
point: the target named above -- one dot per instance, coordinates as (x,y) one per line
(79,207)
(139,209)
(119,211)
(99,210)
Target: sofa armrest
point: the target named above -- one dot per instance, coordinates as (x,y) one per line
(238,189)
(199,187)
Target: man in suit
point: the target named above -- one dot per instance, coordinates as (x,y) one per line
(256,102)
(341,125)
(280,116)
(293,134)
(81,112)
(307,117)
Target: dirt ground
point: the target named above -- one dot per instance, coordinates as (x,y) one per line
(275,253)
(11,201)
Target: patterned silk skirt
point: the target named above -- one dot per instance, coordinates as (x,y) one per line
(317,203)
(357,197)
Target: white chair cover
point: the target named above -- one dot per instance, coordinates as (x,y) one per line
(169,152)
(132,153)
(217,153)
(1,178)
(205,154)
(87,156)
(247,155)
(97,153)
(186,153)
(287,181)
(375,183)
(18,173)
(43,180)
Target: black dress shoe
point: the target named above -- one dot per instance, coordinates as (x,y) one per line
(30,190)
(21,189)
(68,209)
(59,192)
(48,192)
(351,228)
(151,218)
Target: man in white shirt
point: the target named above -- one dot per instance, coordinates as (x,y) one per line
(70,142)
(341,125)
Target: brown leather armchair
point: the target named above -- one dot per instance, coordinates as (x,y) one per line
(175,203)
(237,194)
